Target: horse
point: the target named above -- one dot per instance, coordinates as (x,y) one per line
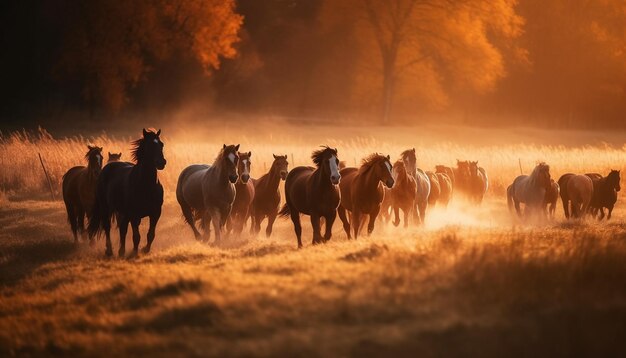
(131,192)
(313,191)
(207,192)
(551,197)
(562,182)
(445,186)
(362,192)
(445,170)
(79,187)
(478,182)
(529,190)
(267,196)
(421,180)
(244,194)
(579,191)
(114,157)
(403,192)
(605,192)
(594,176)
(462,176)
(435,188)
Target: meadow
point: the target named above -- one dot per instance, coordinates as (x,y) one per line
(471,282)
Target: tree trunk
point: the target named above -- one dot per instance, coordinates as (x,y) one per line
(388,89)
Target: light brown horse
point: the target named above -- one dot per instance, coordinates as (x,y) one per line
(403,193)
(435,188)
(244,194)
(313,191)
(478,182)
(267,196)
(462,176)
(529,190)
(445,170)
(362,192)
(114,157)
(79,190)
(552,194)
(207,192)
(580,193)
(445,186)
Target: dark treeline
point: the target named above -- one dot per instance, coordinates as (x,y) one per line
(488,62)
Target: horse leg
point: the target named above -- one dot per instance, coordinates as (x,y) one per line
(610,212)
(270,224)
(189,218)
(396,212)
(217,224)
(71,217)
(154,219)
(518,210)
(565,202)
(134,223)
(206,225)
(106,226)
(297,226)
(422,208)
(80,221)
(406,217)
(256,224)
(344,220)
(330,220)
(315,223)
(601,216)
(122,223)
(356,222)
(372,220)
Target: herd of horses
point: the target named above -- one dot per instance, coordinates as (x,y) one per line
(225,196)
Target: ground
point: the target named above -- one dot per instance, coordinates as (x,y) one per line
(462,286)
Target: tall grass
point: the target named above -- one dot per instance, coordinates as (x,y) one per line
(22,174)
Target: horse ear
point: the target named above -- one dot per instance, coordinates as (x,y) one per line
(158,132)
(249,154)
(336,151)
(388,157)
(224,147)
(145,132)
(110,154)
(100,148)
(237,147)
(274,155)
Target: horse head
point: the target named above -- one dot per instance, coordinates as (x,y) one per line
(326,159)
(229,160)
(613,179)
(282,165)
(114,157)
(473,169)
(149,149)
(243,166)
(94,158)
(386,168)
(542,175)
(410,161)
(463,167)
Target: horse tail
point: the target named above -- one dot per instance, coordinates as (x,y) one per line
(284,211)
(509,197)
(100,211)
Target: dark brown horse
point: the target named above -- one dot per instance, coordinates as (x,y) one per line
(131,192)
(207,192)
(562,182)
(114,157)
(79,190)
(605,192)
(445,170)
(478,182)
(445,186)
(551,197)
(435,188)
(313,191)
(244,194)
(361,192)
(267,196)
(402,193)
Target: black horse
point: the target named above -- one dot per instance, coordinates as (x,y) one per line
(605,193)
(131,192)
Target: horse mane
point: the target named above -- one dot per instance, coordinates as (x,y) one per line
(137,151)
(318,155)
(90,151)
(532,178)
(222,154)
(371,160)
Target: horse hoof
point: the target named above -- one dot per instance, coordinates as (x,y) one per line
(108,253)
(133,255)
(121,253)
(146,250)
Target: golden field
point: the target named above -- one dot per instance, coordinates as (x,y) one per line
(469,283)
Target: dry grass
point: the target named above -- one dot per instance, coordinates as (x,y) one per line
(468,284)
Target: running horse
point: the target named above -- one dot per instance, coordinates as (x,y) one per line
(422,182)
(529,190)
(478,182)
(362,192)
(267,196)
(207,192)
(402,194)
(313,191)
(131,192)
(244,194)
(605,192)
(79,188)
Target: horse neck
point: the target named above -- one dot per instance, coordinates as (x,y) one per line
(218,165)
(369,178)
(273,177)
(323,177)
(92,169)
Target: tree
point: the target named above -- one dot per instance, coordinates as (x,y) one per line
(109,46)
(426,48)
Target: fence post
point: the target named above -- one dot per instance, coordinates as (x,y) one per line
(47,177)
